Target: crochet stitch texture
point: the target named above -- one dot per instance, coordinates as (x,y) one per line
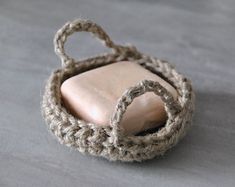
(110,141)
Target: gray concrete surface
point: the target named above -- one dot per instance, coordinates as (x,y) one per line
(197,36)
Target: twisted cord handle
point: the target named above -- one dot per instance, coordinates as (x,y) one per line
(172,107)
(80,25)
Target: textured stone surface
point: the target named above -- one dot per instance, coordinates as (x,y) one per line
(196,36)
(93,95)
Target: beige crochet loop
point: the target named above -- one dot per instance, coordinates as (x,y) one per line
(172,107)
(110,141)
(83,25)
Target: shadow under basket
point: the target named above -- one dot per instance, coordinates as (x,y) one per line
(110,141)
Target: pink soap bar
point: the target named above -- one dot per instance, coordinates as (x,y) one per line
(93,95)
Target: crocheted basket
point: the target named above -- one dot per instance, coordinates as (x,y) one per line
(110,141)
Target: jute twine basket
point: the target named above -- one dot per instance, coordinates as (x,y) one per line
(110,141)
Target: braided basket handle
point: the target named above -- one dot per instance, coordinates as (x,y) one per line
(80,25)
(172,107)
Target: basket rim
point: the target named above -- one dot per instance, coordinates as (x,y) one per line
(132,138)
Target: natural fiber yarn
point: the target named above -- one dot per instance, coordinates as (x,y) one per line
(110,141)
